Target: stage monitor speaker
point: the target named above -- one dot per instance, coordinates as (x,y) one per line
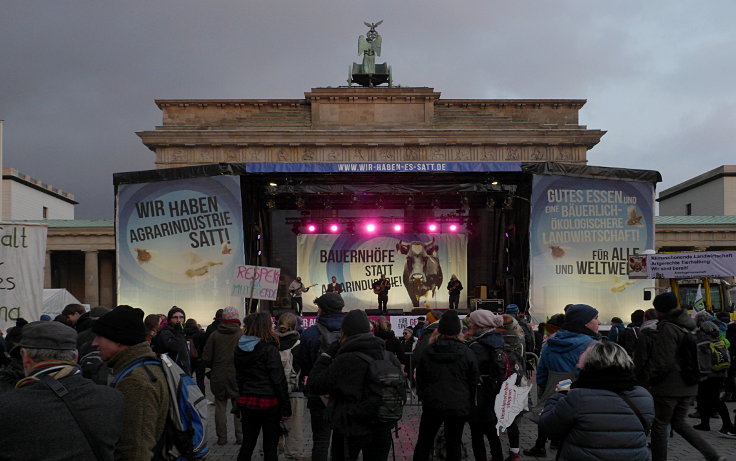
(493,305)
(420,311)
(396,312)
(374,312)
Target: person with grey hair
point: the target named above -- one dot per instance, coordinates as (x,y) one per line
(73,417)
(605,415)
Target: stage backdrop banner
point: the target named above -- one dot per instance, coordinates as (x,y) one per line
(358,260)
(178,244)
(582,234)
(256,282)
(22,257)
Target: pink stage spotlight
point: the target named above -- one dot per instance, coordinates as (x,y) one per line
(432,227)
(311,228)
(453,228)
(334,228)
(397,227)
(370,227)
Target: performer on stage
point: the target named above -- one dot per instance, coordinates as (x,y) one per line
(296,288)
(381,287)
(334,287)
(454,287)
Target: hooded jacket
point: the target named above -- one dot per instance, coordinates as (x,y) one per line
(447,374)
(561,354)
(665,378)
(146,404)
(259,372)
(598,425)
(311,341)
(344,379)
(219,355)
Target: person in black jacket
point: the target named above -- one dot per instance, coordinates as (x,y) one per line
(671,390)
(341,372)
(264,397)
(485,341)
(172,340)
(454,287)
(447,374)
(605,415)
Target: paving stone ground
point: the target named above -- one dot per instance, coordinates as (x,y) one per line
(679,450)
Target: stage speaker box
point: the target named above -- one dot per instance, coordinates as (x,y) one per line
(374,312)
(420,311)
(481,292)
(494,305)
(396,312)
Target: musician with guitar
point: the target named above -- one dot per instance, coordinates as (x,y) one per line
(454,287)
(381,287)
(296,288)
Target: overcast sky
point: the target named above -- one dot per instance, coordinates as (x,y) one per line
(78,78)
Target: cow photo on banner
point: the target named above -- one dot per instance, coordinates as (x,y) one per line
(417,267)
(583,232)
(178,243)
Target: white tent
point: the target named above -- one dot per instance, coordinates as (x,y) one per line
(54,300)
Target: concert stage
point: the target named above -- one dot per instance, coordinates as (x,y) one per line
(181,232)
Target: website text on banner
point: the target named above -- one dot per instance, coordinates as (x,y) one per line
(696,264)
(417,266)
(22,257)
(178,243)
(582,233)
(256,282)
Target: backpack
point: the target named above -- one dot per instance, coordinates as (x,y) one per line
(386,386)
(326,337)
(691,370)
(287,361)
(185,433)
(508,359)
(713,357)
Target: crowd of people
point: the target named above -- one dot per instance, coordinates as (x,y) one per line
(600,397)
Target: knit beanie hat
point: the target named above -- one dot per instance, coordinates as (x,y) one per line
(124,325)
(450,324)
(579,314)
(173,311)
(355,323)
(229,314)
(512,309)
(431,318)
(330,303)
(665,302)
(486,319)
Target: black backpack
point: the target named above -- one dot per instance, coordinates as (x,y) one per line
(508,359)
(687,358)
(386,386)
(326,337)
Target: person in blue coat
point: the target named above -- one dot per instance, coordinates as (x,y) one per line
(605,416)
(562,353)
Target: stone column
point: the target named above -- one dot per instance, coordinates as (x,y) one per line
(47,270)
(91,278)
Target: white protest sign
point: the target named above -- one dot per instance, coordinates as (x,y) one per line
(690,265)
(257,282)
(22,256)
